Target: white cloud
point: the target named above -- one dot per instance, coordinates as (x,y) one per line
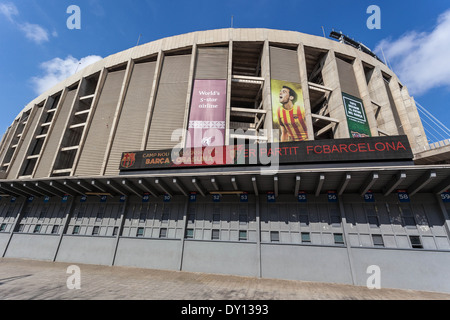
(34,32)
(58,69)
(420,59)
(9,10)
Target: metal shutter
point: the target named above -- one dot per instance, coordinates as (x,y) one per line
(170,104)
(284,65)
(347,78)
(212,63)
(48,153)
(93,152)
(130,129)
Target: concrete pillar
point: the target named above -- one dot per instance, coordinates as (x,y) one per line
(417,130)
(183,232)
(346,237)
(121,223)
(229,80)
(266,94)
(401,110)
(258,235)
(151,103)
(335,103)
(68,216)
(305,88)
(377,90)
(445,214)
(16,223)
(360,75)
(189,90)
(115,122)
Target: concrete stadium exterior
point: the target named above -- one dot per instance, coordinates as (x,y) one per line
(73,188)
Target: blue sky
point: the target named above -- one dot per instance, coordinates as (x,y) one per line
(37,48)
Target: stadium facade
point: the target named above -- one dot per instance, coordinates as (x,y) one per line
(252,152)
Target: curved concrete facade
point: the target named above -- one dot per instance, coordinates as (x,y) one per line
(122,99)
(64,195)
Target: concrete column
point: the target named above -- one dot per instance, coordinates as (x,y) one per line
(305,89)
(401,110)
(189,90)
(258,235)
(365,96)
(183,236)
(335,104)
(68,216)
(346,237)
(266,94)
(115,122)
(119,232)
(151,104)
(377,90)
(414,118)
(445,214)
(16,223)
(229,78)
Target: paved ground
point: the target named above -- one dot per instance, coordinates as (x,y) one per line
(38,280)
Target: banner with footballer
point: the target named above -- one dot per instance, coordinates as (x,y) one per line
(288,111)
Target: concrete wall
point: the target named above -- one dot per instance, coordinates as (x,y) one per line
(404,269)
(32,246)
(306,263)
(4,237)
(221,257)
(149,253)
(86,249)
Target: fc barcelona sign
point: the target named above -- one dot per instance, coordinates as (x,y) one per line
(376,149)
(128,160)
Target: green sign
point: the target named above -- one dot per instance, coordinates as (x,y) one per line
(358,126)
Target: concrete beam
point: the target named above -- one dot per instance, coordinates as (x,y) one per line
(234,183)
(320,184)
(442,187)
(344,184)
(147,187)
(60,188)
(371,179)
(215,184)
(163,186)
(297,185)
(275,185)
(73,186)
(49,191)
(131,188)
(198,186)
(180,186)
(421,182)
(116,187)
(255,186)
(394,183)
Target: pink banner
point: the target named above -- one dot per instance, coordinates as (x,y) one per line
(207,115)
